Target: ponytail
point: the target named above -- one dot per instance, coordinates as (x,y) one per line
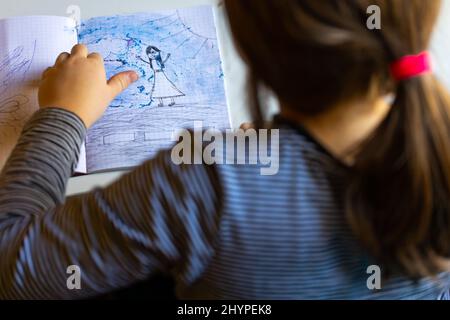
(398,196)
(398,200)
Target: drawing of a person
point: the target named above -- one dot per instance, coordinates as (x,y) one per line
(162,87)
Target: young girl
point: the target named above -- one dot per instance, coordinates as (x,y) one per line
(363,183)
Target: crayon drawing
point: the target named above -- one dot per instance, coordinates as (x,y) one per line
(181,81)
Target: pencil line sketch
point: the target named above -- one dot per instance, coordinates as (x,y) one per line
(11,115)
(14,67)
(181,81)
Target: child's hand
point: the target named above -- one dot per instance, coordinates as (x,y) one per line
(77,82)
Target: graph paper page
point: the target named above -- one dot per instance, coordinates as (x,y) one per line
(28,45)
(181,81)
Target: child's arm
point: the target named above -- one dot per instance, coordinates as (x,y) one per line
(144,222)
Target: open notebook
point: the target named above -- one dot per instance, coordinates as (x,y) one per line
(175,52)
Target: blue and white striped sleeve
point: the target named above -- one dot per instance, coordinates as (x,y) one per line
(161,216)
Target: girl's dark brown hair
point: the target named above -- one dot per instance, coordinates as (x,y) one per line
(316,54)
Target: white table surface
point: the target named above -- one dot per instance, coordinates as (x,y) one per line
(234,69)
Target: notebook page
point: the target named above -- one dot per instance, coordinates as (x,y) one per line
(28,45)
(181,81)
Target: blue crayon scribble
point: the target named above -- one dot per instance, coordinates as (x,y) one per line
(181,81)
(193,68)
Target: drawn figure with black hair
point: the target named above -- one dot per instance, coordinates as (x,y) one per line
(162,87)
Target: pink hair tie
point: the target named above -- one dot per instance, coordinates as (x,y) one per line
(411,66)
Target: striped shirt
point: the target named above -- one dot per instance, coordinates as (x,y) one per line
(222,231)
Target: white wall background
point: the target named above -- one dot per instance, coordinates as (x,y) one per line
(233,66)
(441,44)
